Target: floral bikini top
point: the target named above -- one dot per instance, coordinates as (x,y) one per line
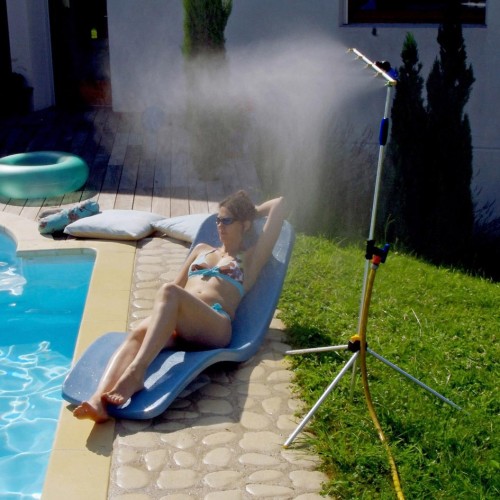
(231,272)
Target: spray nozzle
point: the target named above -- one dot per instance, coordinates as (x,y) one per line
(387,68)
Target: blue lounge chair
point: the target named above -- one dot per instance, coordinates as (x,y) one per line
(172,371)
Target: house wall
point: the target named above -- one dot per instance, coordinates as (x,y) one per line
(146,64)
(31,56)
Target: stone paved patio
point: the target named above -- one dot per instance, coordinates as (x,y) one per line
(223,437)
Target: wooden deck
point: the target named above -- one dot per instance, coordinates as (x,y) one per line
(131,167)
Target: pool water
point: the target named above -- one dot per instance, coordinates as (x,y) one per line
(42,297)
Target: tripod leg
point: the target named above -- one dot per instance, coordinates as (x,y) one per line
(353,378)
(329,389)
(319,349)
(413,379)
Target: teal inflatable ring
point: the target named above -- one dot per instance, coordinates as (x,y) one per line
(41,174)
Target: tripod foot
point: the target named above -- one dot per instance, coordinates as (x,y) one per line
(318,403)
(413,379)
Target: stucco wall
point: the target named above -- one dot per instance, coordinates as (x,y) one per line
(146,63)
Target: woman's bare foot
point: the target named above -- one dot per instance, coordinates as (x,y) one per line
(128,384)
(96,413)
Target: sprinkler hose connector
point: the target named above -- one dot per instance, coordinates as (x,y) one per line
(373,251)
(354,344)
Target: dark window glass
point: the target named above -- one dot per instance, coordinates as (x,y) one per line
(411,11)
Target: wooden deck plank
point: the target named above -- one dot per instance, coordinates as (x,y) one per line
(81,142)
(179,193)
(143,199)
(67,124)
(32,209)
(72,198)
(46,135)
(83,145)
(14,207)
(160,203)
(179,178)
(114,142)
(128,181)
(96,152)
(97,174)
(215,194)
(103,129)
(107,195)
(136,131)
(198,202)
(162,183)
(119,150)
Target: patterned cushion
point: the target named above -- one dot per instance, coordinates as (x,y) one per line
(56,222)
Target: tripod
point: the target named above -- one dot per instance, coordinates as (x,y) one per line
(374,257)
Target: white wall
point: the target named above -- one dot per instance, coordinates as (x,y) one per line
(146,61)
(31,55)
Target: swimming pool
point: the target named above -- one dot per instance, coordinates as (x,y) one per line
(42,297)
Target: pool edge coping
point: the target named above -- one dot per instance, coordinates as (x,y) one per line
(80,461)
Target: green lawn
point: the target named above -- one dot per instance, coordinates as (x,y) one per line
(441,326)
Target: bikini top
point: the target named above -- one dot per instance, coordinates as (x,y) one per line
(231,272)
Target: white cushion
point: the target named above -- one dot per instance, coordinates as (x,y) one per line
(114,225)
(184,227)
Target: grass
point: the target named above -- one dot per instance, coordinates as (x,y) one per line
(438,324)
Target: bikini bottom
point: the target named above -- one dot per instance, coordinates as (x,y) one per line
(218,308)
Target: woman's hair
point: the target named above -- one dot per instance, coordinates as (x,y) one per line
(240,205)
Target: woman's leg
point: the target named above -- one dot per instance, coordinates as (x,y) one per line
(174,309)
(95,408)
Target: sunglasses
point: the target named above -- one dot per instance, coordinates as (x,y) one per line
(225,221)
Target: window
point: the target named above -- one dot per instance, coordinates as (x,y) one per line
(411,11)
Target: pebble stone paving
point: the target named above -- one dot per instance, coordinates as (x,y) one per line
(223,436)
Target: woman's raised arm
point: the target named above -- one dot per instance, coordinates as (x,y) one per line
(276,211)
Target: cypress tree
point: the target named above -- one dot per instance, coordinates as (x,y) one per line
(402,195)
(204,25)
(450,215)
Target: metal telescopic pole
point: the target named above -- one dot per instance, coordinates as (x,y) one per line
(390,82)
(384,129)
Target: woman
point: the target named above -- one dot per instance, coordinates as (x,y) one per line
(198,307)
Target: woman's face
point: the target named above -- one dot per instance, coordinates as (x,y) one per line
(227,226)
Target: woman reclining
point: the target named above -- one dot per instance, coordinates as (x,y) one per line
(198,307)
